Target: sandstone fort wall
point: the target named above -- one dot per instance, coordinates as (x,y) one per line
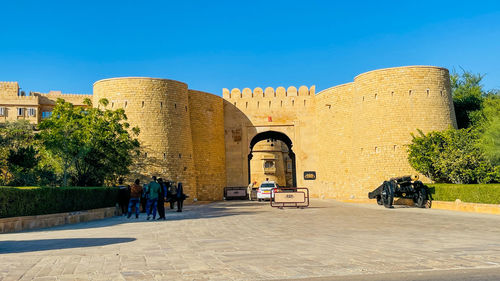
(353,136)
(160,108)
(207,130)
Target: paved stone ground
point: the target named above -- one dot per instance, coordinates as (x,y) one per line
(241,240)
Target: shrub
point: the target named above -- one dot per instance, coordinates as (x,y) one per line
(473,193)
(451,156)
(29,201)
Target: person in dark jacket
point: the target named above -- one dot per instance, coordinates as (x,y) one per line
(180,196)
(123,196)
(171,193)
(161,199)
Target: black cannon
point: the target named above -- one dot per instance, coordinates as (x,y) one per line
(404,187)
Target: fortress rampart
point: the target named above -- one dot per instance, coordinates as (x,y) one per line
(207,130)
(353,135)
(160,108)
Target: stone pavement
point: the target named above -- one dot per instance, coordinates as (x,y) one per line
(241,240)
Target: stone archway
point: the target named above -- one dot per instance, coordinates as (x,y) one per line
(275,136)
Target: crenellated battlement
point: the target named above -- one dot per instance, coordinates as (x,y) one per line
(268,92)
(53,94)
(10,88)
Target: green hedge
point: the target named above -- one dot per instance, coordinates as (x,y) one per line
(473,193)
(29,201)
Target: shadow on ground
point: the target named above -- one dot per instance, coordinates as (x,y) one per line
(22,246)
(191,212)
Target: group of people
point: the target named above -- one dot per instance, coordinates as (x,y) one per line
(151,197)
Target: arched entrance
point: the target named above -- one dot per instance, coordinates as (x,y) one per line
(273,135)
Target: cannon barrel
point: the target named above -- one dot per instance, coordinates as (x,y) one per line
(408,178)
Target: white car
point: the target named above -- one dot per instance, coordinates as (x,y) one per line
(265,190)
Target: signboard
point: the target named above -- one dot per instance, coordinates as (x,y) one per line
(236,193)
(309,175)
(289,197)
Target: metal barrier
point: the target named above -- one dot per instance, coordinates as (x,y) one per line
(235,192)
(290,197)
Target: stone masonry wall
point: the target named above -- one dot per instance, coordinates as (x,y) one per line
(160,108)
(207,130)
(334,142)
(389,105)
(249,112)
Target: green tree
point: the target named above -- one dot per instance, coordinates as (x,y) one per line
(93,144)
(490,127)
(18,153)
(451,156)
(61,135)
(467,93)
(424,151)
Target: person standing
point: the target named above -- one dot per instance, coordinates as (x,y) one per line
(144,197)
(249,190)
(153,191)
(135,198)
(123,196)
(171,193)
(180,196)
(161,199)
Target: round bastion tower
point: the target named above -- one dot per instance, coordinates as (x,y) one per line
(388,106)
(160,108)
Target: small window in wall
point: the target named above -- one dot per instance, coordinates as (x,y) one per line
(441,92)
(377,149)
(241,95)
(394,147)
(268,164)
(2,111)
(304,102)
(409,93)
(46,114)
(376,96)
(428,92)
(31,112)
(164,156)
(246,104)
(269,103)
(180,155)
(125,105)
(281,103)
(161,104)
(20,111)
(175,105)
(112,104)
(146,155)
(392,94)
(264,94)
(258,103)
(142,103)
(293,102)
(363,98)
(234,103)
(185,107)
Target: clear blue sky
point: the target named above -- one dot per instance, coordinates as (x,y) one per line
(68,45)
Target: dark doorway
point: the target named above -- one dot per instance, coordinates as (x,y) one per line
(273,135)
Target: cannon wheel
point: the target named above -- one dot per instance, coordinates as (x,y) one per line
(421,197)
(387,195)
(379,200)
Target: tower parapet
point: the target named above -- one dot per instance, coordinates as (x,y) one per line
(269,92)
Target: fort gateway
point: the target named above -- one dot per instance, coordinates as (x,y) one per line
(340,142)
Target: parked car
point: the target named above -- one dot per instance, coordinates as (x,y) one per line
(265,190)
